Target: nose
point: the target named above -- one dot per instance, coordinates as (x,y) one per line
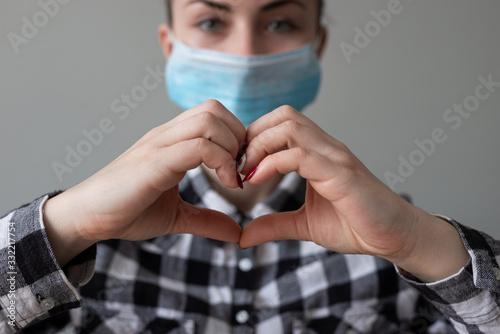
(245,41)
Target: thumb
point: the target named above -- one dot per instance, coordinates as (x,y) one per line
(206,223)
(276,226)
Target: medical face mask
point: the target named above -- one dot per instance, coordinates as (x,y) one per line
(248,86)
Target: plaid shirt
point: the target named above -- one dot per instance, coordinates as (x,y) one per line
(188,284)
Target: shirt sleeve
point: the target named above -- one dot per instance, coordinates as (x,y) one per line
(32,284)
(470,299)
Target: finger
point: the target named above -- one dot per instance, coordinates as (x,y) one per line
(287,135)
(308,164)
(202,125)
(273,227)
(206,223)
(218,110)
(190,154)
(276,117)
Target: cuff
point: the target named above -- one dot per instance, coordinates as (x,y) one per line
(41,288)
(471,295)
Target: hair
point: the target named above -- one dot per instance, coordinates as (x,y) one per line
(168,5)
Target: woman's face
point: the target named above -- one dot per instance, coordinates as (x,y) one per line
(244,27)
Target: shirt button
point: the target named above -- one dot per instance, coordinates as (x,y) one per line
(47,304)
(242,316)
(245,264)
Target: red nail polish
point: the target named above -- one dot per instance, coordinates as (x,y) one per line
(238,179)
(250,175)
(240,248)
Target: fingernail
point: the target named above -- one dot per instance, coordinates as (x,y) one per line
(240,248)
(238,179)
(241,163)
(249,176)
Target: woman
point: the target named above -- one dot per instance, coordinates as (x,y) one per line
(241,69)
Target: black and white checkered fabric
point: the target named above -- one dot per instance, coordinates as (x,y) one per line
(188,284)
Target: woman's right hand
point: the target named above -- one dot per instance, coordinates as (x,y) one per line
(136,196)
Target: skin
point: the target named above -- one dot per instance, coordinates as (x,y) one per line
(347,208)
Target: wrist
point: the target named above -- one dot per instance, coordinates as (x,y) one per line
(61,228)
(435,250)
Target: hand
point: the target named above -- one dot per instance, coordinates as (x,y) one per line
(347,209)
(136,196)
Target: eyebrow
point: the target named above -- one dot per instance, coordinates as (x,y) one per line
(268,7)
(281,3)
(213,4)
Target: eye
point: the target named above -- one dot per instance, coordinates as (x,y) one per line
(280,26)
(210,25)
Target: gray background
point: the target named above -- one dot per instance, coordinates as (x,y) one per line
(396,90)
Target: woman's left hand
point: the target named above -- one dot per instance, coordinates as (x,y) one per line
(347,209)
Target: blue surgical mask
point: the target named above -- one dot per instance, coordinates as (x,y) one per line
(248,86)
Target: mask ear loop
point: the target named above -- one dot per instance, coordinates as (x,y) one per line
(319,38)
(171,35)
